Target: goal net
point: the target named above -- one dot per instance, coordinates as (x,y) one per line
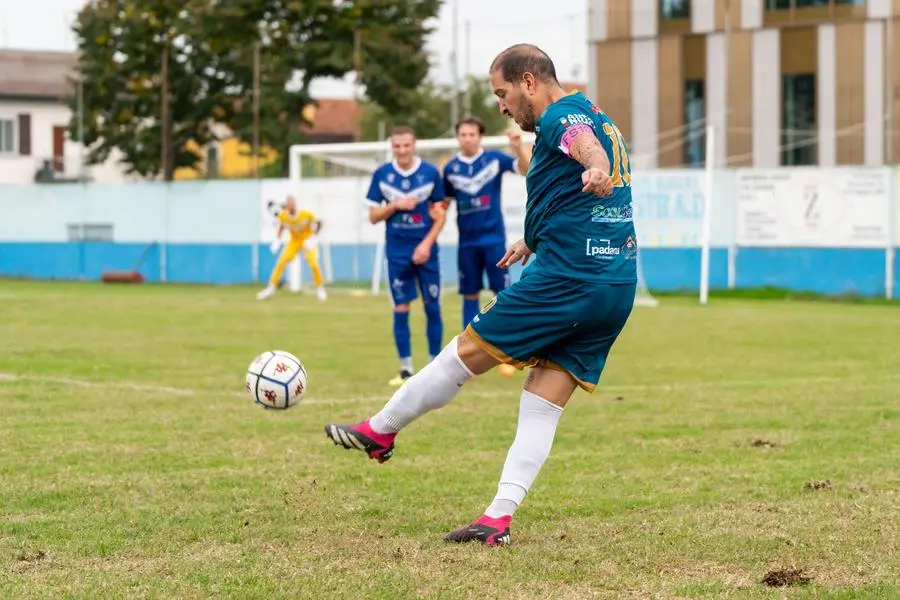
(332,180)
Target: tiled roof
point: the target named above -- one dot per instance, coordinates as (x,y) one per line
(36,74)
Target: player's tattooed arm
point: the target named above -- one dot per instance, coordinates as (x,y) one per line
(580,143)
(586,149)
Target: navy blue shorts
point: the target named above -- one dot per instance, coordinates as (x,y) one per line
(476,261)
(404,275)
(543,320)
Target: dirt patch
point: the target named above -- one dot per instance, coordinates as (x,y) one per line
(786,577)
(763,444)
(818,485)
(32,556)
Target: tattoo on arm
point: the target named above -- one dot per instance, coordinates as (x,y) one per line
(586,149)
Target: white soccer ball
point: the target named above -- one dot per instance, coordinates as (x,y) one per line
(276,379)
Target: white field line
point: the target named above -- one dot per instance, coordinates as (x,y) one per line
(156,389)
(125,385)
(603,389)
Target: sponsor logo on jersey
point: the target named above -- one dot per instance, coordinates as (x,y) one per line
(612,214)
(600,249)
(407,220)
(579,118)
(475,204)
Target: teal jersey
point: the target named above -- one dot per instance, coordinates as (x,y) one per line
(578,235)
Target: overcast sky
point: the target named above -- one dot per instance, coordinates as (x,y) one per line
(495,24)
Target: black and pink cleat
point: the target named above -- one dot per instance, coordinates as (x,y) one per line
(487,530)
(361,436)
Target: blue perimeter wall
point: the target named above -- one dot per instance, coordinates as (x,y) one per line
(823,270)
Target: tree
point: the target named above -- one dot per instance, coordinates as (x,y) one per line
(121,50)
(317,38)
(429,111)
(211,68)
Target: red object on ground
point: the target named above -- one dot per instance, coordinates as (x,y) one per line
(121,277)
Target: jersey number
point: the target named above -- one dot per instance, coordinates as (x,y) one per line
(621,171)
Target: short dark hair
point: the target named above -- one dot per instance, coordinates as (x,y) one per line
(472,120)
(402,130)
(517,60)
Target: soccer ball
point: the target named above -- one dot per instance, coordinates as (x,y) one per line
(276,379)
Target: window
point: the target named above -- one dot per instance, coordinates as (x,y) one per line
(781,11)
(90,232)
(798,120)
(674,9)
(7,136)
(694,128)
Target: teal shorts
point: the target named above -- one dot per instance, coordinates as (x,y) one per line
(543,320)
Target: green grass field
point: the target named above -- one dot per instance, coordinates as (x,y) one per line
(723,443)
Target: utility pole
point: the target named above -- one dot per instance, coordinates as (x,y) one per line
(81,147)
(454,65)
(256,77)
(165,108)
(467,101)
(357,55)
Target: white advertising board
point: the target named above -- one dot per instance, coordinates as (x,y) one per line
(811,207)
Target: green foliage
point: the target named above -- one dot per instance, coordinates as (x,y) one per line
(211,71)
(301,41)
(121,64)
(429,111)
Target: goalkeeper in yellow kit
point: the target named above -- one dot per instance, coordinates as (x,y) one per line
(303,226)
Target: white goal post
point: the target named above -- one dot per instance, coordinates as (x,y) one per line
(332,180)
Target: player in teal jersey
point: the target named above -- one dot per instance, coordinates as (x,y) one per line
(568,308)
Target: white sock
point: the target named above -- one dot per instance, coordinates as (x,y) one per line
(406,364)
(431,388)
(534,438)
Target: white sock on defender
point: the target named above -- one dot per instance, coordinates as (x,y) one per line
(534,438)
(431,388)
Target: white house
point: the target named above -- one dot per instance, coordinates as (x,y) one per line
(34,120)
